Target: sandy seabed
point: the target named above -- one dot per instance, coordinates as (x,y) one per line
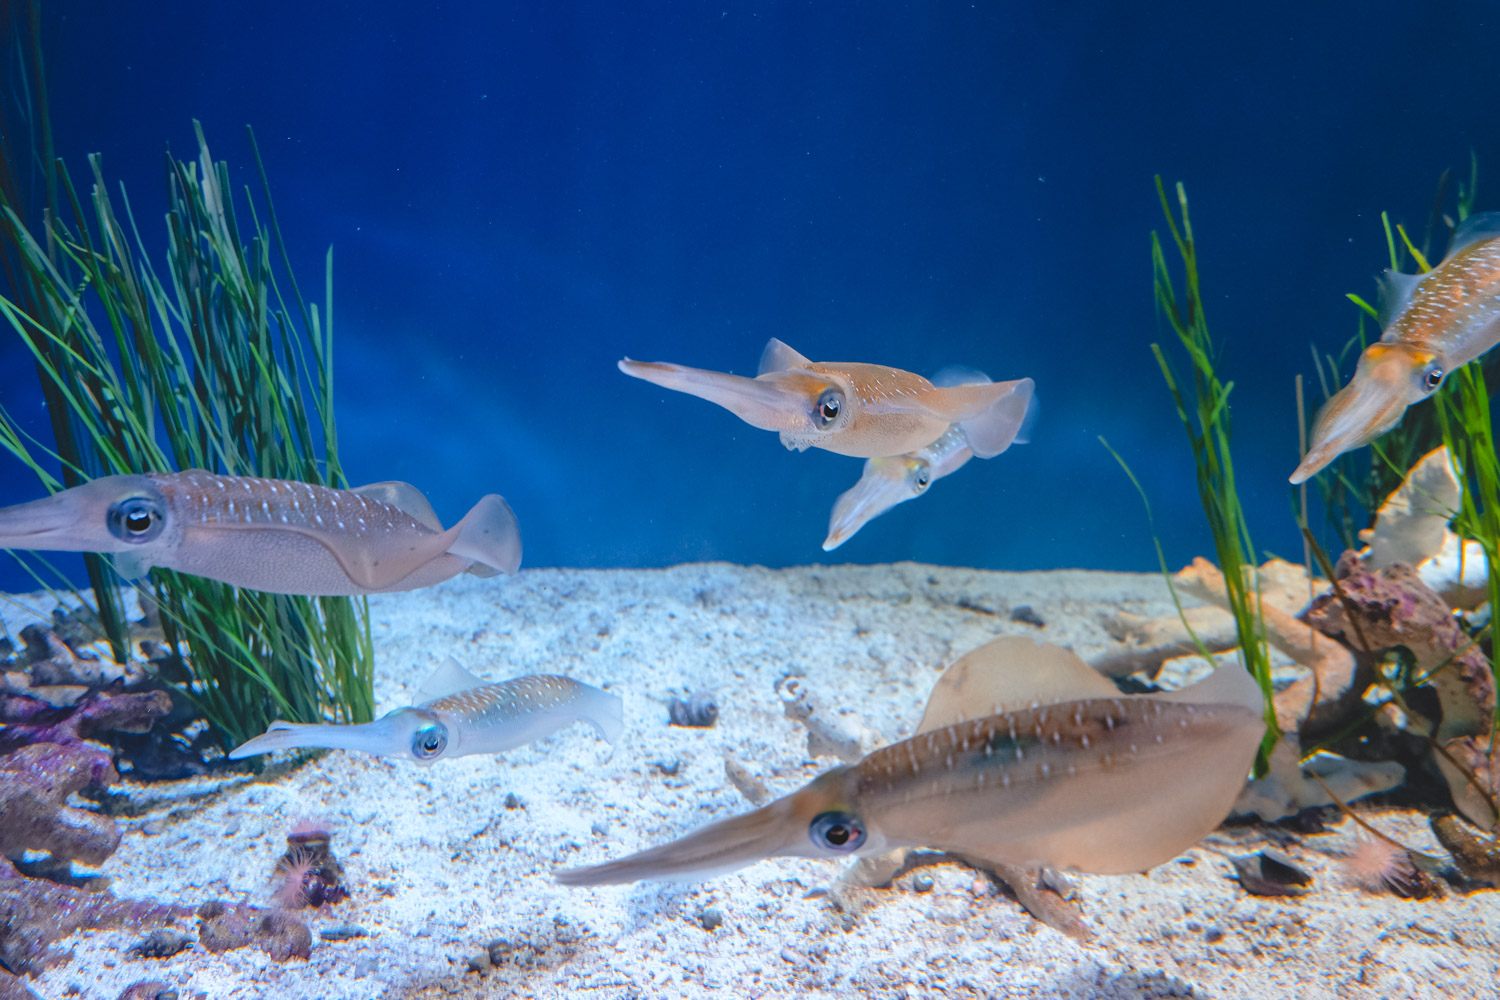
(442,864)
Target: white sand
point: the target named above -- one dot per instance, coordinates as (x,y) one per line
(439,867)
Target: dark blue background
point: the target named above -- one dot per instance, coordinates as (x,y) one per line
(519,194)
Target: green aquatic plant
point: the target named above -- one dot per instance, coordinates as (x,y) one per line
(1205,418)
(217,362)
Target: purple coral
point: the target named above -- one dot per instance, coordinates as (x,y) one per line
(35,914)
(35,783)
(1374,610)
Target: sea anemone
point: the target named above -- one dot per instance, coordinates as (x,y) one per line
(308,874)
(1378,866)
(295,875)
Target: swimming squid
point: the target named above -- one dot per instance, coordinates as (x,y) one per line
(887,482)
(269,534)
(460,715)
(1025,756)
(1435,323)
(851,408)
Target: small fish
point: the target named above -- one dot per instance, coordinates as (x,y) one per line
(887,482)
(1435,323)
(460,715)
(273,535)
(849,408)
(1025,756)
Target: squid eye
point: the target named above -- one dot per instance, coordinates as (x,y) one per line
(1432,378)
(135,519)
(921,477)
(429,741)
(830,405)
(839,832)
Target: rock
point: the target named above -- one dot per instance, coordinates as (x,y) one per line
(164,942)
(283,937)
(696,712)
(36,782)
(36,913)
(1381,609)
(1324,697)
(1024,614)
(280,935)
(710,918)
(1271,873)
(1149,642)
(750,786)
(1291,786)
(1471,767)
(1476,854)
(825,737)
(1411,527)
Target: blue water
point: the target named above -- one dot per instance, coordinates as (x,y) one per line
(517,195)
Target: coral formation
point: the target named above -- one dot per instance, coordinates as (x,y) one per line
(1374,610)
(35,784)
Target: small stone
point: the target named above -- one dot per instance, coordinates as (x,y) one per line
(922,882)
(162,943)
(1213,934)
(513,801)
(153,989)
(498,950)
(343,932)
(750,786)
(284,937)
(1024,614)
(480,962)
(696,712)
(668,768)
(1271,873)
(710,917)
(598,829)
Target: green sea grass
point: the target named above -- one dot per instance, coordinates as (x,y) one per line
(1205,418)
(214,361)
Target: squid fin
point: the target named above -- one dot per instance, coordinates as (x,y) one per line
(450,678)
(404,497)
(778,357)
(489,537)
(1010,674)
